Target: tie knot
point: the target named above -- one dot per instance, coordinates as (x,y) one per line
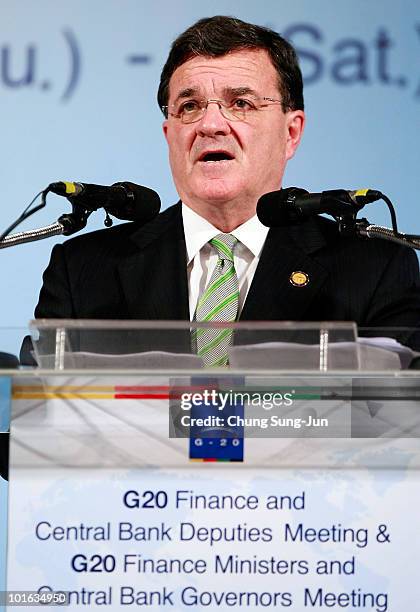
(224,245)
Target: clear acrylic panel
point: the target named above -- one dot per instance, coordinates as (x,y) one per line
(83,344)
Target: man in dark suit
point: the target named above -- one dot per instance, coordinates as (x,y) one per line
(231,93)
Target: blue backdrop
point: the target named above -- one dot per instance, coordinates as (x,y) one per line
(78,85)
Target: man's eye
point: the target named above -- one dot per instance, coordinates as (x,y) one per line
(243,104)
(189,106)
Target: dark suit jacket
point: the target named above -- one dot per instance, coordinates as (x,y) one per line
(132,272)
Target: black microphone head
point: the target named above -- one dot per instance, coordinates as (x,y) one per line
(276,209)
(132,202)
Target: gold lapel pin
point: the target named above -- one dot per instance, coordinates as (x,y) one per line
(299,279)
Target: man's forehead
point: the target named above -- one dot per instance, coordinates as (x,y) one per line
(250,68)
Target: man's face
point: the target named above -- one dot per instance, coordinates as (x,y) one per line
(255,150)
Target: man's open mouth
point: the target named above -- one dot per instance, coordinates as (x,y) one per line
(216,156)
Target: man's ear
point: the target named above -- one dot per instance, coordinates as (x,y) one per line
(165,129)
(295,124)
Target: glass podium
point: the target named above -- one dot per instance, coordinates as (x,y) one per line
(138,477)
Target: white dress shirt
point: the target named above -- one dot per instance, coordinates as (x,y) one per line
(202,258)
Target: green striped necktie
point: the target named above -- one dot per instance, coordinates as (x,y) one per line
(219,302)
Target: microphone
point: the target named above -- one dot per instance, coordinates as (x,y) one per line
(294,205)
(123,200)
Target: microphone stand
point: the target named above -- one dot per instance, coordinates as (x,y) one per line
(348,224)
(66,225)
(365,229)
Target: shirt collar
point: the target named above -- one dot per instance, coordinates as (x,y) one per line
(198,232)
(252,234)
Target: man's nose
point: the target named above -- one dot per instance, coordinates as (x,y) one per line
(213,122)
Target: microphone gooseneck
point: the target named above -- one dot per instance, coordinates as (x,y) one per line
(124,200)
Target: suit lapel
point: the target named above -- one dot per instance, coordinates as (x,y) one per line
(272,295)
(154,276)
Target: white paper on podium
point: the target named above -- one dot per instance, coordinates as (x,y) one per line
(374,354)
